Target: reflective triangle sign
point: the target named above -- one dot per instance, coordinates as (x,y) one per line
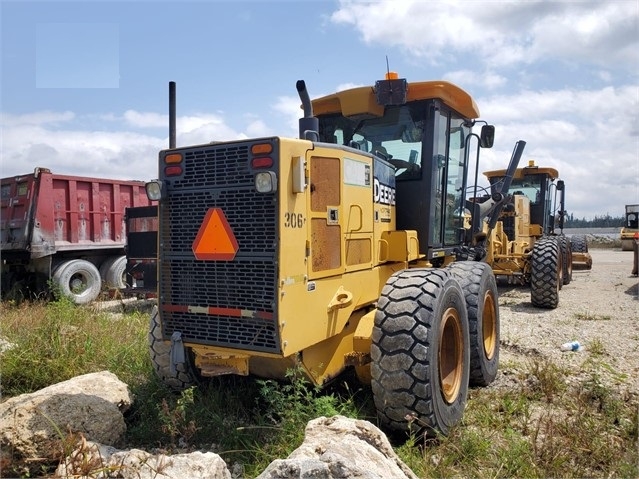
(215,239)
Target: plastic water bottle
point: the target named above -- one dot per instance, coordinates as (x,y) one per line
(571,346)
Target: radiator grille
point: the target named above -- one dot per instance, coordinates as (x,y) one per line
(218,176)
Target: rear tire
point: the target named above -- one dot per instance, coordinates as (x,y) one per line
(579,244)
(545,278)
(112,272)
(420,352)
(79,280)
(185,375)
(480,291)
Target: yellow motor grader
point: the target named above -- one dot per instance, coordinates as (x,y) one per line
(336,250)
(524,243)
(630,230)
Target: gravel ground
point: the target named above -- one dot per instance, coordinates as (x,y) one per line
(599,309)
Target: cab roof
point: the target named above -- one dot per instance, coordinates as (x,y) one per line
(362,100)
(552,173)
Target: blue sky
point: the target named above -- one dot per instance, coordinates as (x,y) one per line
(84,84)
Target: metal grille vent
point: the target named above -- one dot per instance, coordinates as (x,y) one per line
(217,176)
(253,334)
(220,166)
(248,285)
(250,215)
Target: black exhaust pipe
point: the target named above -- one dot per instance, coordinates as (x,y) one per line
(308,124)
(172,115)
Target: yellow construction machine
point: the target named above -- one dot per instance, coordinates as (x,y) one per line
(524,243)
(630,230)
(332,251)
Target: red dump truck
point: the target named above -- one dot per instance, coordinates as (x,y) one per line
(65,232)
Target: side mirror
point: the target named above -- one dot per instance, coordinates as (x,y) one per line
(487,136)
(560,185)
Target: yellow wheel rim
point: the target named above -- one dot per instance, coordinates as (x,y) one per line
(489,325)
(451,347)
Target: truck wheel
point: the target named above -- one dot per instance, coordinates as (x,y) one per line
(566,256)
(112,272)
(545,275)
(480,290)
(420,352)
(185,375)
(79,280)
(579,244)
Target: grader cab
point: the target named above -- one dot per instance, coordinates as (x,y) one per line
(332,251)
(527,244)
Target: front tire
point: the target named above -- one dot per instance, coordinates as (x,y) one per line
(545,278)
(420,352)
(480,291)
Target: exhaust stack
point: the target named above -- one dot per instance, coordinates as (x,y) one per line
(172,115)
(308,124)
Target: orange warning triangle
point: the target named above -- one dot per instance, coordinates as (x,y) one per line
(215,239)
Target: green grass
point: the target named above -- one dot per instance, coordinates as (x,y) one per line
(548,425)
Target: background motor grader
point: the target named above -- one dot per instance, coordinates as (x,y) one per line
(630,229)
(526,243)
(332,251)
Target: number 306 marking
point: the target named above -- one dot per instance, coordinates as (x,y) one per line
(293,220)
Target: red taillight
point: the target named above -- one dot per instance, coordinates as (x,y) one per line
(262,162)
(172,171)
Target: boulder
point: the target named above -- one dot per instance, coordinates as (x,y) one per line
(95,461)
(33,425)
(338,447)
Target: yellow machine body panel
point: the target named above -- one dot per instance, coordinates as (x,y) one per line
(338,246)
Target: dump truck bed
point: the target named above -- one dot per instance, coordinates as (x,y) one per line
(44,213)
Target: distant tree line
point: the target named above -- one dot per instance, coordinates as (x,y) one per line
(605,221)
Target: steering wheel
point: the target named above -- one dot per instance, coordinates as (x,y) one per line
(409,168)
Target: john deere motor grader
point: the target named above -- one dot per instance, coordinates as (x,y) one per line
(331,251)
(525,242)
(630,230)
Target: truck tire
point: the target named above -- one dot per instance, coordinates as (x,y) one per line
(112,271)
(566,256)
(480,291)
(579,244)
(79,280)
(420,352)
(545,278)
(185,375)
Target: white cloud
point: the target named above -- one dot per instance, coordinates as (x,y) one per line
(36,139)
(488,80)
(588,135)
(504,33)
(145,120)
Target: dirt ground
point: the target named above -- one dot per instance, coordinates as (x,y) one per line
(599,309)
